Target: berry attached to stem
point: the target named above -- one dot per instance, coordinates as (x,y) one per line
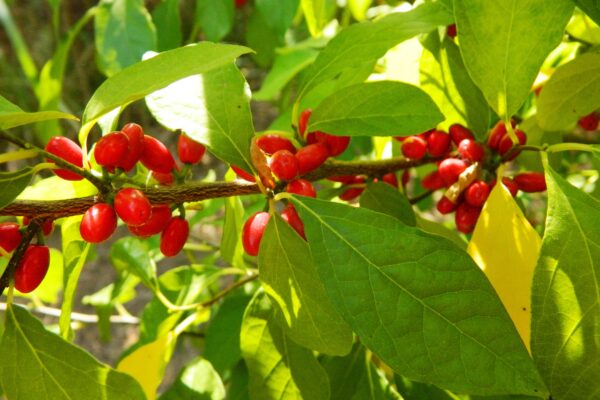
(132,206)
(32,269)
(174,236)
(98,223)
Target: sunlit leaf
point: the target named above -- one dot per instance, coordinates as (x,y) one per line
(198,380)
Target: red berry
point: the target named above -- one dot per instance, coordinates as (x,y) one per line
(69,151)
(311,138)
(303,121)
(240,3)
(405,177)
(590,122)
(450,169)
(284,165)
(164,178)
(352,193)
(135,134)
(311,157)
(336,144)
(270,144)
(243,174)
(10,236)
(47,225)
(477,193)
(509,184)
(391,179)
(111,149)
(174,236)
(290,216)
(414,147)
(189,151)
(253,231)
(345,179)
(506,143)
(438,143)
(458,133)
(132,206)
(466,217)
(32,268)
(470,150)
(301,187)
(155,156)
(445,205)
(98,223)
(160,217)
(433,181)
(451,31)
(531,182)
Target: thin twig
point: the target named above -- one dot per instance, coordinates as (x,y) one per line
(79,317)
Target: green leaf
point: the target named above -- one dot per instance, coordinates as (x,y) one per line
(417,301)
(262,39)
(381,108)
(417,391)
(358,47)
(572,92)
(232,250)
(492,41)
(213,109)
(302,307)
(359,8)
(315,13)
(222,347)
(215,17)
(123,33)
(445,78)
(566,294)
(278,14)
(238,383)
(37,364)
(168,25)
(284,69)
(279,368)
(436,228)
(13,183)
(132,254)
(143,78)
(198,380)
(12,116)
(591,8)
(383,198)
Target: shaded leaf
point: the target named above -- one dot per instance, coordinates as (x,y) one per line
(591,8)
(131,254)
(215,17)
(168,25)
(197,381)
(12,116)
(13,183)
(383,198)
(278,14)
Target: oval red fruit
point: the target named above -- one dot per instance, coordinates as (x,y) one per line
(174,236)
(471,150)
(414,147)
(451,31)
(290,216)
(311,157)
(352,193)
(301,187)
(466,217)
(303,121)
(47,225)
(132,206)
(135,134)
(189,151)
(336,144)
(32,268)
(69,151)
(510,185)
(433,181)
(445,205)
(496,135)
(438,143)
(590,122)
(111,149)
(458,133)
(477,193)
(450,169)
(270,144)
(155,155)
(391,179)
(160,217)
(98,224)
(253,231)
(531,182)
(10,236)
(506,143)
(284,165)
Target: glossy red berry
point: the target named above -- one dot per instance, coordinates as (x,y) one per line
(311,157)
(414,147)
(466,217)
(10,236)
(111,149)
(253,231)
(336,144)
(32,268)
(496,135)
(458,133)
(345,179)
(508,184)
(477,193)
(451,31)
(132,206)
(189,151)
(531,182)
(47,225)
(290,216)
(450,169)
(391,179)
(445,205)
(506,143)
(243,174)
(174,236)
(164,178)
(160,217)
(352,193)
(69,151)
(470,150)
(433,181)
(155,156)
(98,224)
(303,121)
(590,122)
(438,143)
(135,134)
(284,165)
(270,144)
(301,187)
